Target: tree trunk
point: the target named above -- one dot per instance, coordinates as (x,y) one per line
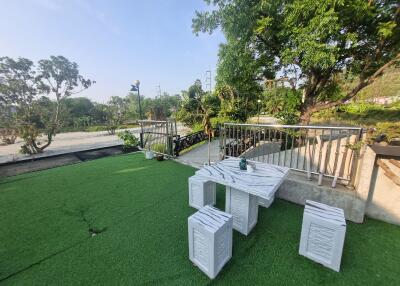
(53,129)
(305,118)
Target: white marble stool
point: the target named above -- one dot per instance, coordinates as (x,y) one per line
(244,209)
(210,239)
(322,234)
(201,192)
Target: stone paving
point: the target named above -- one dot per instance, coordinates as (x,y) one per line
(198,156)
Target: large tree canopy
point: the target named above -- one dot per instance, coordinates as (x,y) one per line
(312,43)
(21,84)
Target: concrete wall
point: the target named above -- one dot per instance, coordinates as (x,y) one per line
(384,196)
(298,189)
(374,195)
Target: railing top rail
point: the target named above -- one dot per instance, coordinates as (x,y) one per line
(155,121)
(294,126)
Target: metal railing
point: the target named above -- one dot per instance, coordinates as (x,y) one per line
(183,142)
(157,132)
(320,151)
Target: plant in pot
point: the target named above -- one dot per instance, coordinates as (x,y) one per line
(148,153)
(130,141)
(160,150)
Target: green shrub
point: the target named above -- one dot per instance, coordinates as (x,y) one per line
(159,148)
(219,121)
(390,130)
(129,139)
(361,113)
(197,127)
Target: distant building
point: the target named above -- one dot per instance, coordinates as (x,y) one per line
(384,100)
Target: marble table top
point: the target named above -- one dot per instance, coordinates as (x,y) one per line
(264,181)
(210,218)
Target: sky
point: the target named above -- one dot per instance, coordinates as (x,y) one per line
(114,42)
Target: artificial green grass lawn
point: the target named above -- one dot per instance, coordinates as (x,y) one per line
(142,208)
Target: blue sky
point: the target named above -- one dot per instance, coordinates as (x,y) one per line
(114,42)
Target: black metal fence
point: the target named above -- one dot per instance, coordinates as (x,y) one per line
(158,136)
(184,142)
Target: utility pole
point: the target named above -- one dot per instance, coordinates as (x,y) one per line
(208,80)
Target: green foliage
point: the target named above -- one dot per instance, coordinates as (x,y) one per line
(238,110)
(156,108)
(159,148)
(197,106)
(282,103)
(197,127)
(389,130)
(8,119)
(361,113)
(309,42)
(129,139)
(79,112)
(237,80)
(217,121)
(29,134)
(115,113)
(386,86)
(26,86)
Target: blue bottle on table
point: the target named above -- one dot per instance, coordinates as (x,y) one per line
(243,164)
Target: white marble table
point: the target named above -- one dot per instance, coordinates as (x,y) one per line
(263,182)
(244,189)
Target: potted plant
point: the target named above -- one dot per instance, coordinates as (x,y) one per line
(130,141)
(148,153)
(160,150)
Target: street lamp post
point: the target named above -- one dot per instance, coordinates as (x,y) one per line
(258,103)
(135,87)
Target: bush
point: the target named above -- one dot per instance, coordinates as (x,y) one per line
(159,148)
(387,131)
(361,113)
(219,121)
(129,139)
(197,127)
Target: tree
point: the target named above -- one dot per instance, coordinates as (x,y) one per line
(209,105)
(78,111)
(191,111)
(8,132)
(21,84)
(18,83)
(309,42)
(283,103)
(152,107)
(99,113)
(116,112)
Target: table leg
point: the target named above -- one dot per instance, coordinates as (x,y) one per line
(244,209)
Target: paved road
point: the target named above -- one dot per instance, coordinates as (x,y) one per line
(198,156)
(70,142)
